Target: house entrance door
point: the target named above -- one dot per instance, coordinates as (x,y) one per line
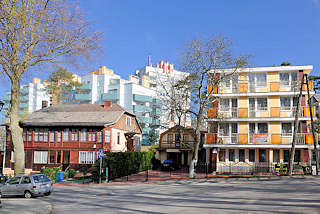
(214,161)
(66,159)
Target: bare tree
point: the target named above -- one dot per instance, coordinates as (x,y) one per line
(209,61)
(33,33)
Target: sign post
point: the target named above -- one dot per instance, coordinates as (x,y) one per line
(107,179)
(101,155)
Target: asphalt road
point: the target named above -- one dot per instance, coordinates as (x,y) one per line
(276,195)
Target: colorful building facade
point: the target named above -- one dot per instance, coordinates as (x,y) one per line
(251,121)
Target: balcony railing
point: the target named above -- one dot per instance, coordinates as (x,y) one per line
(256,87)
(177,145)
(261,112)
(254,138)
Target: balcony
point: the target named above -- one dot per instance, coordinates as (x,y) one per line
(156,101)
(142,98)
(23,105)
(144,120)
(141,108)
(262,87)
(24,91)
(85,87)
(177,145)
(110,96)
(260,112)
(263,138)
(24,99)
(83,97)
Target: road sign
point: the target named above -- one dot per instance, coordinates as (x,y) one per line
(101,153)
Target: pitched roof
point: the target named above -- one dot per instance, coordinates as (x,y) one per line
(75,115)
(317,97)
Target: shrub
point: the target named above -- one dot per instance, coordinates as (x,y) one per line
(71,173)
(51,172)
(122,164)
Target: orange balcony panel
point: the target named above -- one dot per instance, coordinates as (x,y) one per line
(275,111)
(310,83)
(309,139)
(276,138)
(306,111)
(210,88)
(211,138)
(212,113)
(243,138)
(243,112)
(243,87)
(274,86)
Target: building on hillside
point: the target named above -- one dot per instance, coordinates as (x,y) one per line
(163,75)
(251,123)
(71,135)
(32,97)
(177,144)
(103,85)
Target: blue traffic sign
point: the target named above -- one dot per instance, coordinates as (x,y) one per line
(101,153)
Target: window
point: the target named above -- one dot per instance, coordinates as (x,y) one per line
(59,157)
(170,138)
(128,121)
(14,180)
(185,138)
(26,180)
(24,135)
(65,135)
(52,156)
(286,156)
(262,104)
(118,138)
(286,128)
(107,136)
(226,82)
(52,136)
(100,137)
(41,135)
(262,155)
(231,155)
(224,104)
(241,155)
(30,135)
(86,157)
(40,157)
(74,134)
(276,156)
(92,135)
(177,137)
(252,155)
(59,133)
(262,128)
(261,79)
(45,135)
(83,135)
(222,155)
(36,135)
(224,129)
(285,103)
(284,79)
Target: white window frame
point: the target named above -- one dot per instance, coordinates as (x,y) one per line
(128,121)
(290,81)
(87,157)
(256,83)
(107,136)
(40,157)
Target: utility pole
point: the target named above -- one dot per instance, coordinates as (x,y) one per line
(296,123)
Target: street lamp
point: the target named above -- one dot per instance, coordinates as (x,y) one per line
(1,106)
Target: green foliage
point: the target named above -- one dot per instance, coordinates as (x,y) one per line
(122,164)
(51,172)
(285,63)
(71,173)
(153,137)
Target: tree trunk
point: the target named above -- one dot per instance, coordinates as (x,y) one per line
(192,173)
(16,130)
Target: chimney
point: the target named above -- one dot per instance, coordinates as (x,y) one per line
(44,104)
(107,104)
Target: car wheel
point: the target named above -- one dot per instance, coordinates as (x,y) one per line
(27,194)
(47,193)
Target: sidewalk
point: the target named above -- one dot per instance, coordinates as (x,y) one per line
(25,206)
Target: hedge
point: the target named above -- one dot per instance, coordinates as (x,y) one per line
(121,164)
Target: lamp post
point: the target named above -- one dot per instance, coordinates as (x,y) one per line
(1,106)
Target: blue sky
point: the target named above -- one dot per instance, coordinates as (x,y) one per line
(271,31)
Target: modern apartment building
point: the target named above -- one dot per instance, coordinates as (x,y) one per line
(252,120)
(32,96)
(103,84)
(163,75)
